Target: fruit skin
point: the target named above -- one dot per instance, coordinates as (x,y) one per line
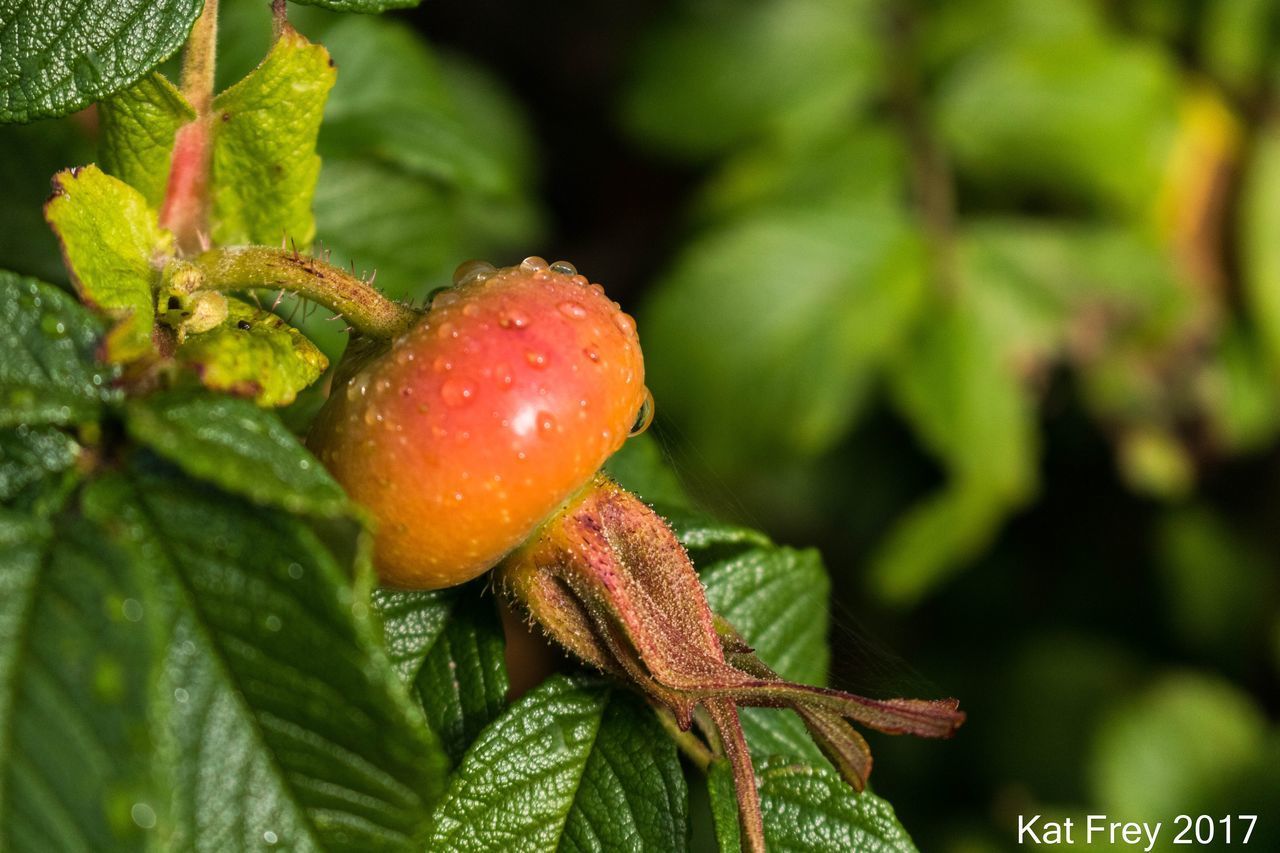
(477,424)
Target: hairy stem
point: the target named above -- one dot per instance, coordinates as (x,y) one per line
(199,60)
(185,210)
(259,267)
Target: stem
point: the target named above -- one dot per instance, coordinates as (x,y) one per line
(185,210)
(253,267)
(750,819)
(199,60)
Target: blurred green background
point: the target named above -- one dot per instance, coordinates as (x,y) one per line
(982,298)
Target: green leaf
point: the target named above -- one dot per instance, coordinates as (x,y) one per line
(1183,746)
(48,372)
(1260,256)
(55,59)
(957,386)
(264,161)
(575,765)
(74,683)
(449,647)
(1083,116)
(32,460)
(723,72)
(240,447)
(111,241)
(808,306)
(1237,38)
(810,810)
(807,810)
(253,353)
(724,807)
(273,689)
(138,126)
(777,600)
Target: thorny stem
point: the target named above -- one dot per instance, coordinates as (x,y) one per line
(185,210)
(256,267)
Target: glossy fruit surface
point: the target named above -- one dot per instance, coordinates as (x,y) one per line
(485,417)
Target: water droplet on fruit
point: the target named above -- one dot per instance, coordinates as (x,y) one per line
(546,422)
(468,271)
(456,392)
(470,310)
(624,323)
(532,263)
(572,310)
(645,416)
(441,364)
(510,319)
(592,354)
(564,268)
(536,359)
(447,330)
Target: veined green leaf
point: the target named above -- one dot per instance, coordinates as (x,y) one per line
(75,674)
(253,353)
(48,372)
(112,243)
(31,459)
(807,810)
(574,765)
(56,58)
(811,810)
(264,161)
(448,646)
(274,690)
(138,127)
(237,445)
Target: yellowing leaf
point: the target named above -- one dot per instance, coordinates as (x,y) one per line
(255,354)
(111,242)
(264,161)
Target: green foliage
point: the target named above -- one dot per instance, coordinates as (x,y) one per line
(110,239)
(138,126)
(575,764)
(57,59)
(171,651)
(264,161)
(48,374)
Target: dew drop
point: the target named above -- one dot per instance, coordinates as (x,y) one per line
(132,609)
(624,323)
(143,815)
(270,837)
(472,270)
(645,416)
(546,422)
(456,393)
(295,570)
(564,268)
(447,330)
(572,310)
(533,263)
(272,623)
(592,353)
(470,310)
(536,359)
(513,320)
(441,364)
(180,695)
